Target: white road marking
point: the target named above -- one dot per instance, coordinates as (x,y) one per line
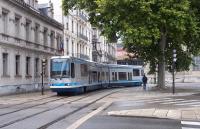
(195,105)
(188,103)
(175,101)
(189,128)
(170,100)
(190,123)
(79,122)
(150,100)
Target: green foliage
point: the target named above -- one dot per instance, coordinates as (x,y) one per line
(141,23)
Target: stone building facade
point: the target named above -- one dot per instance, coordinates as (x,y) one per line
(26,37)
(81,39)
(77,35)
(102,50)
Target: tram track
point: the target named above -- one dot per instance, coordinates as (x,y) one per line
(21,119)
(74,111)
(35,114)
(13,105)
(24,108)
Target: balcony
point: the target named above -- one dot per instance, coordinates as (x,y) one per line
(83,17)
(5,37)
(81,56)
(85,38)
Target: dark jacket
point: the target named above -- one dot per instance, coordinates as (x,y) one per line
(144,79)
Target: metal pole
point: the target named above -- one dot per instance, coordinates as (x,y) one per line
(173,83)
(43,67)
(42,88)
(173,69)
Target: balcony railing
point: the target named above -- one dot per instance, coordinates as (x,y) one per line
(84,17)
(83,37)
(81,56)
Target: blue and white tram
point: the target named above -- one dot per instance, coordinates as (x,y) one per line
(74,75)
(126,75)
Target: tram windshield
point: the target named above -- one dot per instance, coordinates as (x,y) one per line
(60,68)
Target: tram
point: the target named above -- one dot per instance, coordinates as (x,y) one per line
(75,75)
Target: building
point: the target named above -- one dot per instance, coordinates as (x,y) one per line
(77,35)
(102,50)
(27,36)
(125,58)
(80,38)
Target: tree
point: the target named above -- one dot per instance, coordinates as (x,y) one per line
(149,28)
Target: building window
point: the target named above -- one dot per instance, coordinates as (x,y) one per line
(28,23)
(67,25)
(72,26)
(52,39)
(5,64)
(81,49)
(37,33)
(67,46)
(17,65)
(72,48)
(46,68)
(45,36)
(36,66)
(5,22)
(28,59)
(77,28)
(17,26)
(77,49)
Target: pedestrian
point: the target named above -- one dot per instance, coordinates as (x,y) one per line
(144,80)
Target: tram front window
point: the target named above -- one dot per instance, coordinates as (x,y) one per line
(60,68)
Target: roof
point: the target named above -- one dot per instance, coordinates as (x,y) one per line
(35,12)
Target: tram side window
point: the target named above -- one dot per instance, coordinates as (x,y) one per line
(114,76)
(136,72)
(84,70)
(94,76)
(99,76)
(142,72)
(102,76)
(72,70)
(129,76)
(122,76)
(107,75)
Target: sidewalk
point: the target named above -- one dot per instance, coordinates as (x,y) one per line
(169,112)
(180,114)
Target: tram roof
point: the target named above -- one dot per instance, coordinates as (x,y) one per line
(124,66)
(96,63)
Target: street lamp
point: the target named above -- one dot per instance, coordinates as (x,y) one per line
(173,69)
(43,71)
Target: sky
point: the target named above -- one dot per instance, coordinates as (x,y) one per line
(57,8)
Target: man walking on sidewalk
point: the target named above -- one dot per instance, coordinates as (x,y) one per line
(144,80)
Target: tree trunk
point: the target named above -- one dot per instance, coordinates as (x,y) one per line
(161,63)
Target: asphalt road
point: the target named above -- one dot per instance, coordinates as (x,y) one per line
(33,111)
(111,122)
